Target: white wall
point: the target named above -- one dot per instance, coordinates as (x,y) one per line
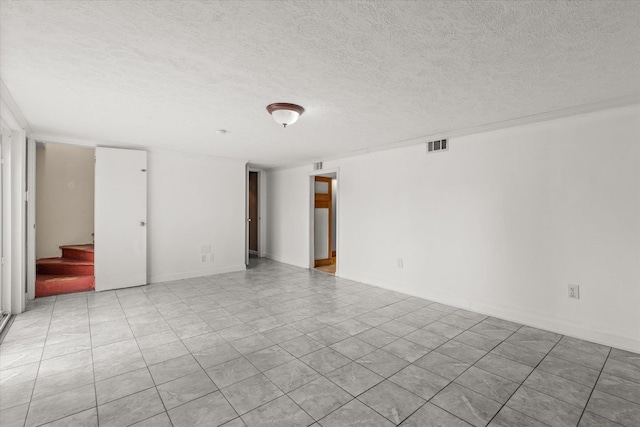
(194,201)
(64,197)
(500,224)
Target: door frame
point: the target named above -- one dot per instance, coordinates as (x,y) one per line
(311,204)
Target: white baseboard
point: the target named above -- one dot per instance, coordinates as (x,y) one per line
(167,277)
(523,317)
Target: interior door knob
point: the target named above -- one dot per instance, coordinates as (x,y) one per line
(142,223)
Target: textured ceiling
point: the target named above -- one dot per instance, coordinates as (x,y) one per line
(167,75)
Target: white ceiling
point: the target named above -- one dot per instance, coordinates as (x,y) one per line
(168,74)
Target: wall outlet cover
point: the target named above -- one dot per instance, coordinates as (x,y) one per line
(574,291)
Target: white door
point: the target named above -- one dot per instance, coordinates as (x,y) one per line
(120,218)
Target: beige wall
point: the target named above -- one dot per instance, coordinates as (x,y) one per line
(64,197)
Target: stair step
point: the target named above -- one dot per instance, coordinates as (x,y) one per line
(81,252)
(64,267)
(47,285)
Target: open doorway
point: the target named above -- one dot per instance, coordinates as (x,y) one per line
(64,216)
(325,188)
(254,185)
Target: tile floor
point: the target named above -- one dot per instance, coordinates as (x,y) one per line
(281,346)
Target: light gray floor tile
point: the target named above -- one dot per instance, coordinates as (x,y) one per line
(325,360)
(396,328)
(88,418)
(281,412)
(528,341)
(355,414)
(216,355)
(251,393)
(252,344)
(479,341)
(185,389)
(406,350)
(490,330)
(506,368)
(382,363)
(460,351)
(164,352)
(560,388)
(419,381)
(443,329)
(200,342)
(231,372)
(282,333)
(291,375)
(619,387)
(518,354)
(377,337)
(432,416)
(544,408)
(508,417)
(16,395)
(590,419)
(468,405)
(20,358)
(354,378)
(460,322)
(174,368)
(123,385)
(328,335)
(442,365)
(19,374)
(625,356)
(64,381)
(614,408)
(353,327)
(130,409)
(155,340)
(487,384)
(15,416)
(392,401)
(301,345)
(593,360)
(61,405)
(426,339)
(570,371)
(210,410)
(622,370)
(64,363)
(320,397)
(353,348)
(269,358)
(160,420)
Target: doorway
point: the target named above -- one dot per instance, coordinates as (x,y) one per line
(325,188)
(254,185)
(64,218)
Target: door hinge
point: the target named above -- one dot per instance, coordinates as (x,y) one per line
(143,170)
(26,196)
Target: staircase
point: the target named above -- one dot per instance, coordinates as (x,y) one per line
(71,273)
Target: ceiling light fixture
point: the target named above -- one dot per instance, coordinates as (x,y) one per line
(284,113)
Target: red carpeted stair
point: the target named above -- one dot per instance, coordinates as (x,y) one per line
(71,273)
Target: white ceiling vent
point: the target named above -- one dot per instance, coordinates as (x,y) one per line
(440,145)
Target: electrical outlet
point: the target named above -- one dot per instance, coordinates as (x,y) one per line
(205,249)
(204,257)
(574,291)
(399,263)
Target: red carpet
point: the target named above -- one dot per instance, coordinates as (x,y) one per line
(71,273)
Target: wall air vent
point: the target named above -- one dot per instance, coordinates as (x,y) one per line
(440,145)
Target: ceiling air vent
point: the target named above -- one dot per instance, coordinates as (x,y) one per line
(440,145)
